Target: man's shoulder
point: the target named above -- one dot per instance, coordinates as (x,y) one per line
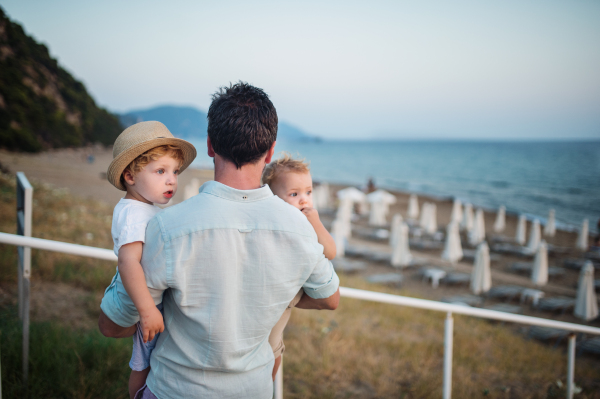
(206,211)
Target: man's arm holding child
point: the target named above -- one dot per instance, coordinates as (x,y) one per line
(323,236)
(119,313)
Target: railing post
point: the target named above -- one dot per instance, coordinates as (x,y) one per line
(448,342)
(278,383)
(571,366)
(24,216)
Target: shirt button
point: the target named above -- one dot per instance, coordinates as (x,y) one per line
(244,197)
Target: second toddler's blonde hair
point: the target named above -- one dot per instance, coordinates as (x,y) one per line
(281,165)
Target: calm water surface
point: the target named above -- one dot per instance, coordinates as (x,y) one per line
(526,177)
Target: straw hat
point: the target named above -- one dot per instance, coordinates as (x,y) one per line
(139,138)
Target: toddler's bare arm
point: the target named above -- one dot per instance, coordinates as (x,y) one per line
(325,239)
(134,281)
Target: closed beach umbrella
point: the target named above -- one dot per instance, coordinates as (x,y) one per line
(500,222)
(481,276)
(344,216)
(521,230)
(338,231)
(351,193)
(378,213)
(396,221)
(413,207)
(582,238)
(324,194)
(425,215)
(452,249)
(401,256)
(467,221)
(550,228)
(380,201)
(535,236)
(456,211)
(431,227)
(477,234)
(539,273)
(586,306)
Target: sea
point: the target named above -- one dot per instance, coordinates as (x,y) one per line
(527,177)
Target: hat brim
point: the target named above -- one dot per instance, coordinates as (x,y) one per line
(118,165)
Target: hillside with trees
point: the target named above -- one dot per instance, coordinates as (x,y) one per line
(41,105)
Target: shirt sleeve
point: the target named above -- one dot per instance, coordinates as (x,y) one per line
(323,282)
(116,304)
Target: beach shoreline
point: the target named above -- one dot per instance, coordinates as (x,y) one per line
(82,171)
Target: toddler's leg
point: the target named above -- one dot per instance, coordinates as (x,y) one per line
(276,366)
(137,379)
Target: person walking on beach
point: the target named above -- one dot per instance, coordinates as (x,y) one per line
(225,264)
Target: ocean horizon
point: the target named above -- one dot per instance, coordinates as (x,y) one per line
(527,176)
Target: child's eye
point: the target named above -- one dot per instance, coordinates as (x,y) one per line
(160,171)
(294,194)
(309,192)
(177,172)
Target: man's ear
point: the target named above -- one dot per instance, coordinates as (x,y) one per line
(270,153)
(211,151)
(128,177)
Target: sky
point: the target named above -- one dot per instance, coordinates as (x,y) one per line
(343,69)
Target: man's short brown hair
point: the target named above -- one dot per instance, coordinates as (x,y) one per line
(282,165)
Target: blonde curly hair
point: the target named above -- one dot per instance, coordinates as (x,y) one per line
(281,165)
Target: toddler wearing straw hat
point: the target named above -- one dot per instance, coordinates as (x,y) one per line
(147,160)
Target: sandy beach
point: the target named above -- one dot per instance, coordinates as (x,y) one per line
(71,169)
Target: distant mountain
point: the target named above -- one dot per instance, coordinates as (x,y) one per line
(41,105)
(190,123)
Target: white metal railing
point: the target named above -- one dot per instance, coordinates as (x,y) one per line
(447,308)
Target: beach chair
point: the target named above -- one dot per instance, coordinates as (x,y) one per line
(556,304)
(457,278)
(505,292)
(591,345)
(349,266)
(547,333)
(394,279)
(467,300)
(506,308)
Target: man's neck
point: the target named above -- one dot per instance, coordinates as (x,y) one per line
(245,178)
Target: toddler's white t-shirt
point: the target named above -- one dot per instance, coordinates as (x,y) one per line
(129,222)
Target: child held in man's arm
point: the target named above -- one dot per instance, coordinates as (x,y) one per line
(290,180)
(147,161)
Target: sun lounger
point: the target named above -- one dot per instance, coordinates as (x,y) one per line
(506,308)
(348,265)
(357,250)
(577,264)
(555,304)
(508,292)
(387,278)
(526,267)
(511,249)
(546,333)
(591,345)
(469,255)
(457,278)
(468,300)
(425,244)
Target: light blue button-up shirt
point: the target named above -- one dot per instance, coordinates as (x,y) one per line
(228,263)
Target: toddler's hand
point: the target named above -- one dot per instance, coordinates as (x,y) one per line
(152,323)
(311,214)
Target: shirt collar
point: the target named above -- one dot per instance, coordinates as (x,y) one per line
(229,193)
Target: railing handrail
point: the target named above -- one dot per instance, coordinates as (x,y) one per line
(107,254)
